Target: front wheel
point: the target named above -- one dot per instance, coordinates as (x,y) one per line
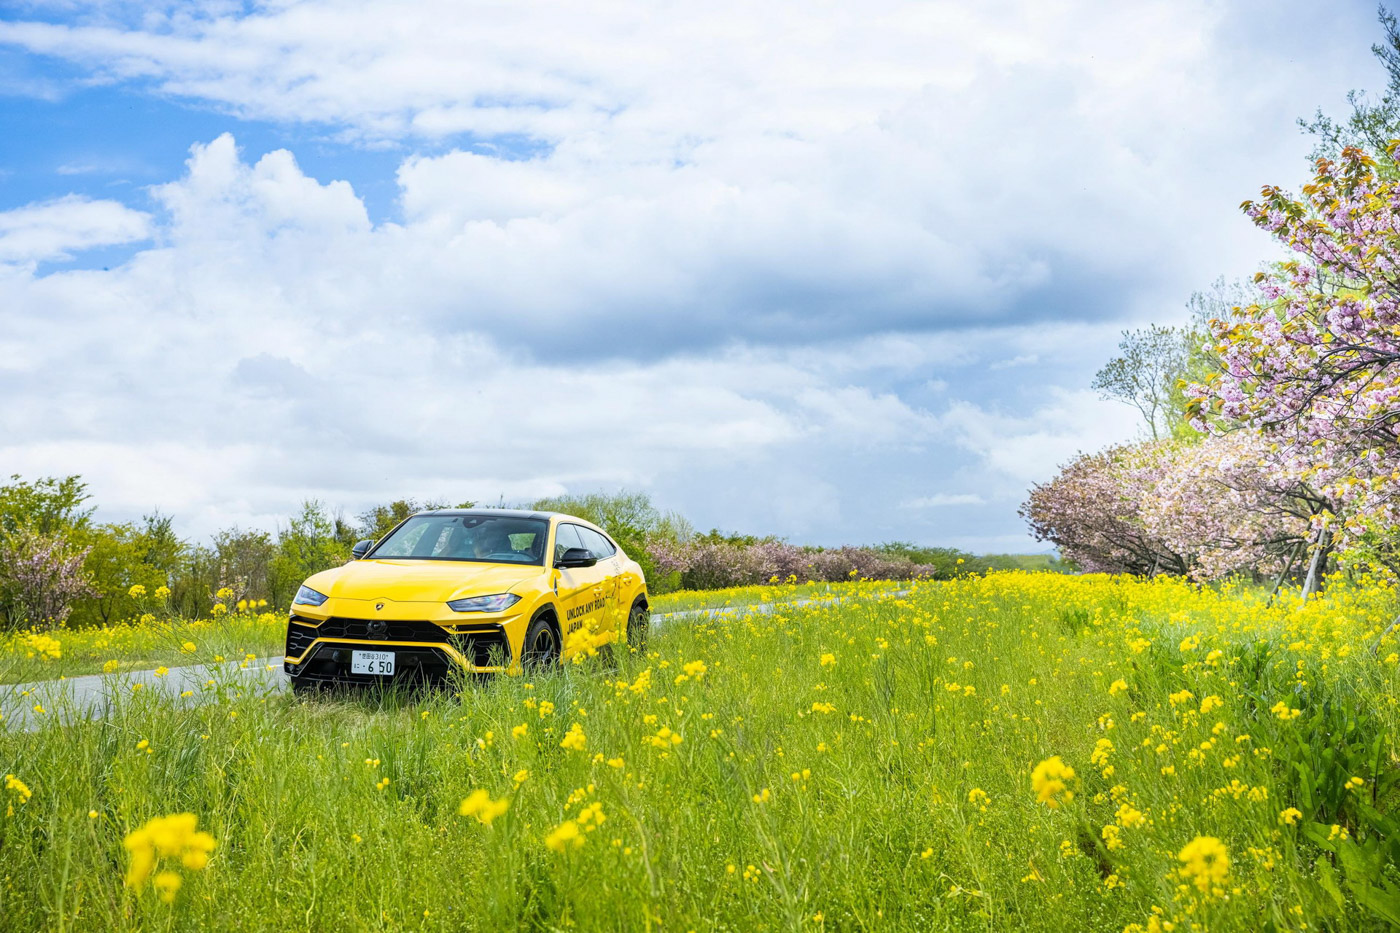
(638,624)
(541,648)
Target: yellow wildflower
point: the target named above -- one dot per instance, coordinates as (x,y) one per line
(1050,781)
(563,836)
(574,739)
(480,805)
(1205,863)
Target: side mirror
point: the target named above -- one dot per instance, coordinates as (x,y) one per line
(576,557)
(361,548)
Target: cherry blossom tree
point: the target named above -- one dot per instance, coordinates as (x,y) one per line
(1224,505)
(1092,511)
(41,575)
(1233,506)
(1315,365)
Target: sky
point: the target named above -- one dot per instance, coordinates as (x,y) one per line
(840,272)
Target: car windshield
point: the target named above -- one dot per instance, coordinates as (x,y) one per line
(493,539)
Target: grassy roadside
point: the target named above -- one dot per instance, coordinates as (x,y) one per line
(829,767)
(174,641)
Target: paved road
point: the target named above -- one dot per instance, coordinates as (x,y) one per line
(34,705)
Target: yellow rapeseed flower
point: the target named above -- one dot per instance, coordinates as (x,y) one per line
(17,787)
(1050,781)
(480,805)
(1205,863)
(574,739)
(563,836)
(166,838)
(1129,817)
(167,885)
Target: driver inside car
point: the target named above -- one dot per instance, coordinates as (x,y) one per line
(492,543)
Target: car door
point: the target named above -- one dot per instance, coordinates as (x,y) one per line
(580,589)
(608,560)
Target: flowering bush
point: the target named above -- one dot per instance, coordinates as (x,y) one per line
(704,564)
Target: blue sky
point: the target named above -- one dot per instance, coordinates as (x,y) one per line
(841,277)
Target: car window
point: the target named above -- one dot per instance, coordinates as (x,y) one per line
(598,544)
(473,537)
(565,537)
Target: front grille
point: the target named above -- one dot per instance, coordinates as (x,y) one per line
(392,630)
(482,647)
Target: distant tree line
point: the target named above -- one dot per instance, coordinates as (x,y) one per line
(59,565)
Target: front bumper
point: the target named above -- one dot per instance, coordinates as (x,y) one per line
(318,649)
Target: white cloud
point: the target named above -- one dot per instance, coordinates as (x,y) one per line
(1025,359)
(942,499)
(56,229)
(1029,448)
(749,171)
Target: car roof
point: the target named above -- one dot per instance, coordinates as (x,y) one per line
(502,513)
(514,513)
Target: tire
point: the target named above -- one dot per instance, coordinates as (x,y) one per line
(305,688)
(541,647)
(638,625)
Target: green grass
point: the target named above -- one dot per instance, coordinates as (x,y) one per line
(953,687)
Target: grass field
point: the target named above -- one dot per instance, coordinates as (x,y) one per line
(888,763)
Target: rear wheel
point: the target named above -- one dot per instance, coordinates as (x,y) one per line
(541,643)
(638,623)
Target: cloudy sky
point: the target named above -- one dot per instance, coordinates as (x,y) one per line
(837,271)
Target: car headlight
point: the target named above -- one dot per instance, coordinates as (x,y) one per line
(306,596)
(496,603)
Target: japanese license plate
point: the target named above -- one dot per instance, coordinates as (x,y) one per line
(372,662)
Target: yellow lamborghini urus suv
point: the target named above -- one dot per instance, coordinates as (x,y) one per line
(474,590)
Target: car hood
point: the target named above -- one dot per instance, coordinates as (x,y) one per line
(419,580)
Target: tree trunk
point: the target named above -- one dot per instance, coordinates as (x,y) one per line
(1292,556)
(1311,584)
